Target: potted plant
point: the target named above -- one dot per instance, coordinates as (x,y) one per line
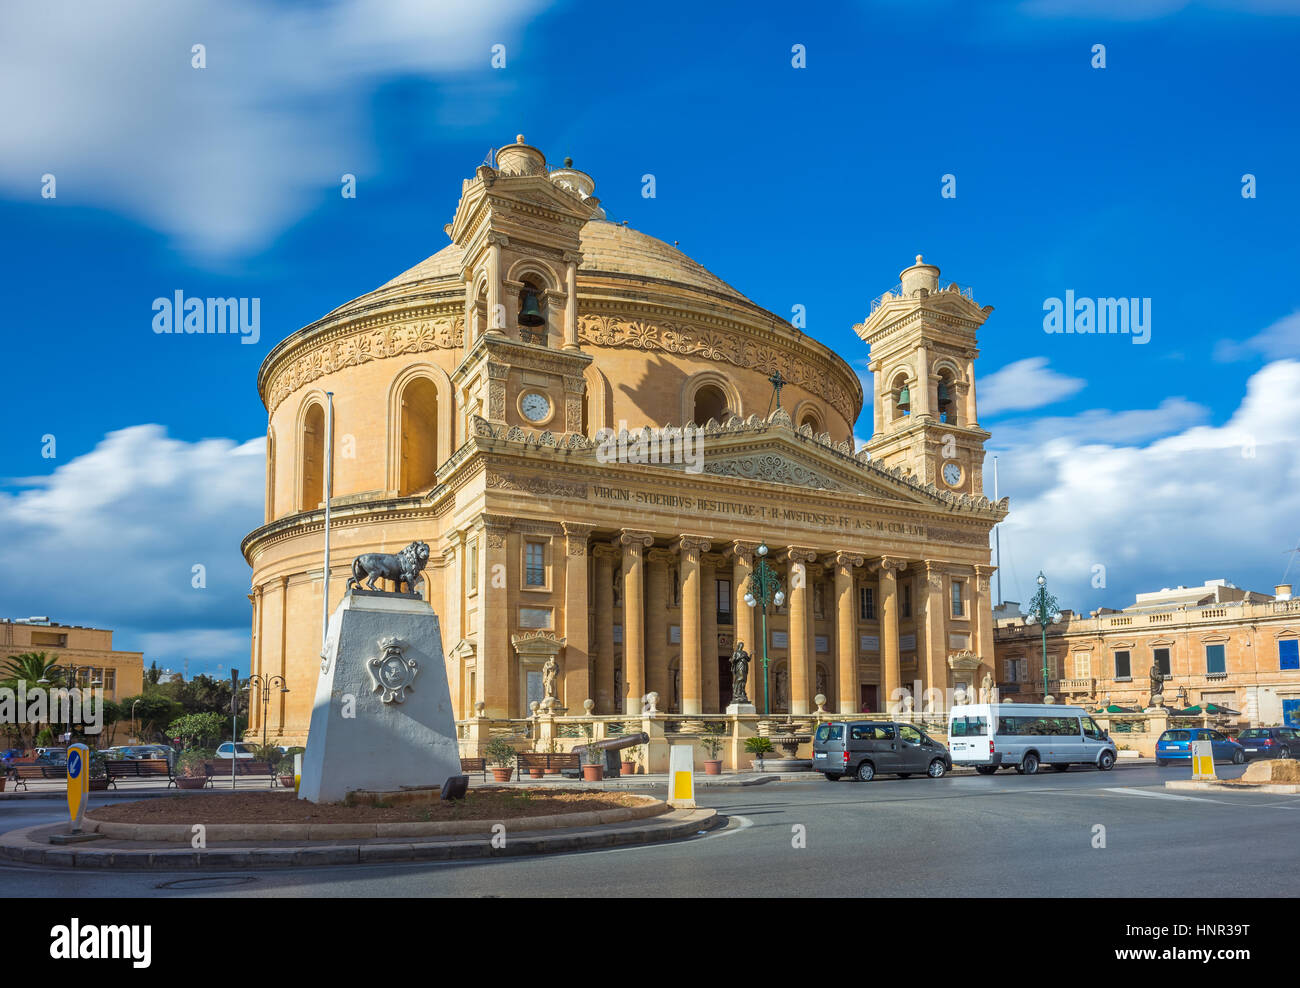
(501,756)
(758,747)
(630,758)
(98,774)
(286,767)
(713,745)
(191,769)
(593,758)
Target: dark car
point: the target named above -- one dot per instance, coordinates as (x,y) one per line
(1270,742)
(53,756)
(867,748)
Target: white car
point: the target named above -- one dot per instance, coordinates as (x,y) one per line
(235,749)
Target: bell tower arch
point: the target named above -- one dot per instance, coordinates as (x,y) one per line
(922,360)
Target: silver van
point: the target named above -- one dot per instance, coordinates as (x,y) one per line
(864,749)
(1024,736)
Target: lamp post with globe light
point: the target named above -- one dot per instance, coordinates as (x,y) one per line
(764,589)
(1043,611)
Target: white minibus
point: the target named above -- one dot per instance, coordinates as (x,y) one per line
(1024,736)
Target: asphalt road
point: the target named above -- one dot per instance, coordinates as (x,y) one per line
(1008,835)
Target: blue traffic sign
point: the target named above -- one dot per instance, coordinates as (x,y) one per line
(74,764)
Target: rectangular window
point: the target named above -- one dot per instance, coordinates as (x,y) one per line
(1288,654)
(534,617)
(969,727)
(866,604)
(534,564)
(1123,665)
(1215,660)
(1161,658)
(110,682)
(1082,665)
(724,602)
(473,568)
(907,600)
(958,605)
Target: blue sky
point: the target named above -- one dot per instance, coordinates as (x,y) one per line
(1170,462)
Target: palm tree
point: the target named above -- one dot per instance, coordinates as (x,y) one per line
(29,668)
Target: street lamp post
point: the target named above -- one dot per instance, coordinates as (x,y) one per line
(1043,611)
(764,589)
(265,685)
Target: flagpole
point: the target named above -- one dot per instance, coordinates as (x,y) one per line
(329,492)
(997,535)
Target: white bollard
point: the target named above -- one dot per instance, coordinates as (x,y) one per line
(681,776)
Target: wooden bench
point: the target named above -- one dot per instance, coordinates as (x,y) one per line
(141,768)
(220,769)
(479,765)
(21,773)
(547,760)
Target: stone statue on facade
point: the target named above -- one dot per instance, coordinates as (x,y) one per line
(549,672)
(739,674)
(401,567)
(1157,684)
(986,688)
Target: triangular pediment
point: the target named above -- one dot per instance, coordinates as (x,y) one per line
(777,459)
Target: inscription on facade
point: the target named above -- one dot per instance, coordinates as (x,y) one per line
(758,512)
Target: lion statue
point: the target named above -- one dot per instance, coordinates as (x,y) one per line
(403,567)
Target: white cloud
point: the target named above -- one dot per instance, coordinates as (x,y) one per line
(223,158)
(1206,502)
(1282,339)
(1027,383)
(110,539)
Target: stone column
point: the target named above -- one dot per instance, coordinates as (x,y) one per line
(846,631)
(891,674)
(313,667)
(692,674)
(256,717)
(450,619)
(495,324)
(879,386)
(982,624)
(577,618)
(972,419)
(797,636)
(932,640)
(634,545)
(746,617)
(495,656)
(571,300)
(921,400)
(709,633)
(603,577)
(656,638)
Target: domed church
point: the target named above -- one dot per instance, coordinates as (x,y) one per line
(599,440)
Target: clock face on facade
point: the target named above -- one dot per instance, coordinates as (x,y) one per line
(951,474)
(536,407)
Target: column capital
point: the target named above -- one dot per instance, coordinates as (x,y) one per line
(572,257)
(693,543)
(741,550)
(576,536)
(497,240)
(799,554)
(604,550)
(889,565)
(934,574)
(848,559)
(661,555)
(634,540)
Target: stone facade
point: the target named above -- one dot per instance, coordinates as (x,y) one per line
(1214,644)
(89,649)
(525,401)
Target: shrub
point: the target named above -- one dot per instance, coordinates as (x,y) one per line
(191,763)
(758,746)
(500,752)
(712,744)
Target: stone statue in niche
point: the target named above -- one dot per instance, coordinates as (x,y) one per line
(739,674)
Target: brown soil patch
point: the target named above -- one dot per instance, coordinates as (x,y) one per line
(1273,770)
(283,807)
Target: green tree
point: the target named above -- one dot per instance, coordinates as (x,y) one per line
(152,713)
(29,668)
(195,730)
(152,676)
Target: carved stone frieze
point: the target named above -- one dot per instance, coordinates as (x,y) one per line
(538,486)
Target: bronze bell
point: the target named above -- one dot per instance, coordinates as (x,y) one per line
(904,399)
(530,313)
(944,394)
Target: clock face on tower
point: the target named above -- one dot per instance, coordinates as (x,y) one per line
(535,407)
(951,474)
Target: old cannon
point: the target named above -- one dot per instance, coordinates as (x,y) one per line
(611,747)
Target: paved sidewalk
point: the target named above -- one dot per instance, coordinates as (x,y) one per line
(30,845)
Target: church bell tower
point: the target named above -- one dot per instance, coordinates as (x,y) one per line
(922,360)
(519,224)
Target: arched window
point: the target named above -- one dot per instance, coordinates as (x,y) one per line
(532,314)
(419,424)
(902,396)
(812,420)
(710,403)
(946,398)
(312,446)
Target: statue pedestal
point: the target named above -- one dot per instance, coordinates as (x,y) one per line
(740,708)
(382,719)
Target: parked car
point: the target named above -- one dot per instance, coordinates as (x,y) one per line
(1025,736)
(236,749)
(52,756)
(138,752)
(1176,745)
(9,754)
(865,749)
(1270,742)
